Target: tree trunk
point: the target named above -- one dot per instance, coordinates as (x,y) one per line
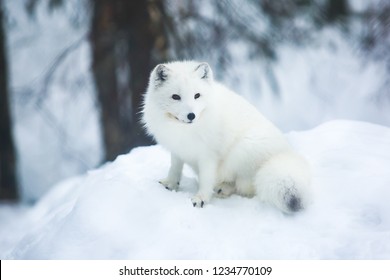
(336,10)
(8,185)
(128,40)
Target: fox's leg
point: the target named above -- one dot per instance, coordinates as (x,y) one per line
(207,179)
(174,175)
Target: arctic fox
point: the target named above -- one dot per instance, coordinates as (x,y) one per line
(227,142)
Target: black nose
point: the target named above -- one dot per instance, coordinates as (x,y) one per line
(191,116)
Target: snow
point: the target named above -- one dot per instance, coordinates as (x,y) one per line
(119,211)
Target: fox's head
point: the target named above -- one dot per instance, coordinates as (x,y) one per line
(180,89)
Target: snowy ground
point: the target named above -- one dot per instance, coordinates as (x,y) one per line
(119,211)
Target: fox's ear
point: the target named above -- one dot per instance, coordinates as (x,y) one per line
(160,74)
(204,71)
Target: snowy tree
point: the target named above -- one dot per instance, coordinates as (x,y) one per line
(8,186)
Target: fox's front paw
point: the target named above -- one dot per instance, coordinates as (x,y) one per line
(169,185)
(199,201)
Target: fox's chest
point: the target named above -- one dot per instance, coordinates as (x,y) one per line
(190,142)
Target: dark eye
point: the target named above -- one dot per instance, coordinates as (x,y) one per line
(176,97)
(197,96)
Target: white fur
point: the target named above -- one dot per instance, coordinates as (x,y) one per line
(229,144)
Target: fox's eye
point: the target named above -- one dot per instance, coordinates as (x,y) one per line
(176,97)
(197,96)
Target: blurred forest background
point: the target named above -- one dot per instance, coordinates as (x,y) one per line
(72,73)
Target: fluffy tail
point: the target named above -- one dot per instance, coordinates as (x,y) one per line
(284,181)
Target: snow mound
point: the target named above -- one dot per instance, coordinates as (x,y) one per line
(119,211)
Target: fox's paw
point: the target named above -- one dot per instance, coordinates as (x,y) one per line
(199,200)
(224,190)
(169,185)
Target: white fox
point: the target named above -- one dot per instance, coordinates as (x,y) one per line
(230,145)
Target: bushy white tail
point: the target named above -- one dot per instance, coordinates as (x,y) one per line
(284,181)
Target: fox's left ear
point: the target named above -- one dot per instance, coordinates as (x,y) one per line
(204,72)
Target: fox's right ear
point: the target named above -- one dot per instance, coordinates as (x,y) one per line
(160,74)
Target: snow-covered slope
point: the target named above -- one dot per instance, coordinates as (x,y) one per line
(120,211)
